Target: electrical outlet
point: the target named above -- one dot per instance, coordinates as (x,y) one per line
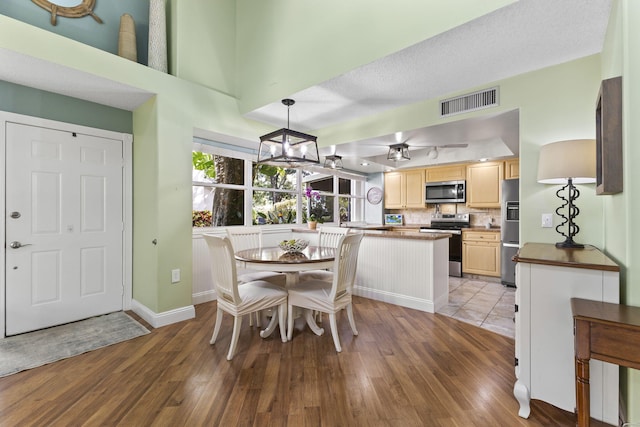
(175,275)
(547,220)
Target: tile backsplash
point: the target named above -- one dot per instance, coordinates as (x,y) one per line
(478,217)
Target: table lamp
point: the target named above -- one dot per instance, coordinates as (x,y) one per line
(568,162)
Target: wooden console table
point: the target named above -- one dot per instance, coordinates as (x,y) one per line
(603,331)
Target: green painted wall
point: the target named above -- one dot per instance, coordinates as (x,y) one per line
(555,103)
(288,45)
(621,57)
(38,103)
(204,47)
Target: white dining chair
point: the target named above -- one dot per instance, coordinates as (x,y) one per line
(329,297)
(236,300)
(248,238)
(328,237)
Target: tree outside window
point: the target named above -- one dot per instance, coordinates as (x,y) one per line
(217,205)
(277,203)
(224,194)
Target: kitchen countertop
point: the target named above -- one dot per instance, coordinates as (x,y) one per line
(495,229)
(409,233)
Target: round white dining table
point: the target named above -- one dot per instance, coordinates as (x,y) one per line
(290,263)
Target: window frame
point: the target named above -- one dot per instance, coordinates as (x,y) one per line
(357,183)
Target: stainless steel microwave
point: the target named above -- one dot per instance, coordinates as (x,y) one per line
(446,192)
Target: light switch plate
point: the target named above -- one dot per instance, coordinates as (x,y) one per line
(547,220)
(175,275)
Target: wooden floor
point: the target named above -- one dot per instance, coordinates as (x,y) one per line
(406,368)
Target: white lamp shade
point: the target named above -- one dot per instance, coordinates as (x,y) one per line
(575,158)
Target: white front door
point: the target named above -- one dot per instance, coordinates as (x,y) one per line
(64,227)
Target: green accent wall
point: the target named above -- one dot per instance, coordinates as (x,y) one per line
(39,103)
(204,47)
(621,57)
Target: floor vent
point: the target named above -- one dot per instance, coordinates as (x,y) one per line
(470,102)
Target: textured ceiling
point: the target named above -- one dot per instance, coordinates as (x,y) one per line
(525,36)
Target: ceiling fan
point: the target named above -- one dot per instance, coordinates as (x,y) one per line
(399,150)
(433,151)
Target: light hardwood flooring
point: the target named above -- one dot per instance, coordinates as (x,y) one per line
(405,368)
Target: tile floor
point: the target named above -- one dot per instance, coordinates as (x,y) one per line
(486,304)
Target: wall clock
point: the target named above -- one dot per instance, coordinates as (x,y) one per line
(374,195)
(73,9)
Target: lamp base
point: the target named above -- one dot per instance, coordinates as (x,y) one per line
(569,244)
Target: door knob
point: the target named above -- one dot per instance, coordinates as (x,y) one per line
(17,245)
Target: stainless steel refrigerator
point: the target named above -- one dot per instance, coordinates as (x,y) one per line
(509,230)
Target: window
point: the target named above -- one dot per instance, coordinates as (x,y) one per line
(230,189)
(278,204)
(218,190)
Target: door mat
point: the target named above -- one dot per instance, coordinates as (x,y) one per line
(26,351)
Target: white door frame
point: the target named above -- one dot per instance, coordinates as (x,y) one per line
(127,194)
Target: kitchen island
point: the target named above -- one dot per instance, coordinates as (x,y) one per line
(403,267)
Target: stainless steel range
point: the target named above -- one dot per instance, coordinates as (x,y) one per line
(453,224)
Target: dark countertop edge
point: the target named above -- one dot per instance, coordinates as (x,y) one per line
(492,229)
(590,257)
(415,235)
(408,234)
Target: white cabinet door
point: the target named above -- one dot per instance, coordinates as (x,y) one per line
(544,338)
(64,227)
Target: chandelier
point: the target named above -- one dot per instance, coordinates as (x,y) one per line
(398,152)
(333,162)
(286,146)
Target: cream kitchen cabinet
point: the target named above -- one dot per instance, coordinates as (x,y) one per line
(512,169)
(446,173)
(483,184)
(547,278)
(481,252)
(404,189)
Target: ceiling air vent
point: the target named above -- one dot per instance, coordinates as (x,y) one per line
(470,102)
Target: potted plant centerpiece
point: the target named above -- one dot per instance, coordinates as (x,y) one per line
(314,207)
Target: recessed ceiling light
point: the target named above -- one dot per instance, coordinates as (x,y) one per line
(364,164)
(484,159)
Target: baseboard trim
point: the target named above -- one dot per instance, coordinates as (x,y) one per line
(397,299)
(205,296)
(158,320)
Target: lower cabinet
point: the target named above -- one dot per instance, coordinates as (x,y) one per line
(481,253)
(546,279)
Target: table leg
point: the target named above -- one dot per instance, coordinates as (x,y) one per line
(311,321)
(266,332)
(292,280)
(582,392)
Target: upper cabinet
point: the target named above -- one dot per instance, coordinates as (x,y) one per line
(446,173)
(483,184)
(512,169)
(404,189)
